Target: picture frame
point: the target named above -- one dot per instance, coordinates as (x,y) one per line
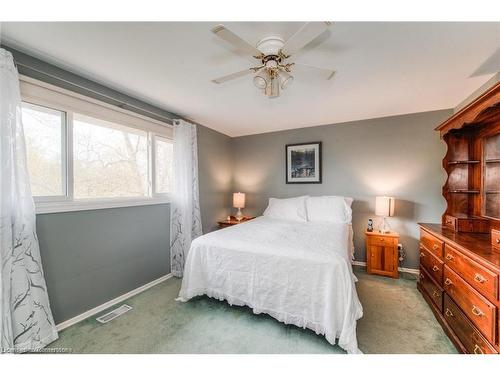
(303,163)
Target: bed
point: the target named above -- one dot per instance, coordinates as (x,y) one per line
(298,272)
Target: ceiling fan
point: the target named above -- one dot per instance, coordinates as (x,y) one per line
(273,71)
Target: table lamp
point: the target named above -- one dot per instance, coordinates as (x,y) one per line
(384,206)
(239,203)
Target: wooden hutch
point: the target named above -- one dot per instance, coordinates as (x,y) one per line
(460,258)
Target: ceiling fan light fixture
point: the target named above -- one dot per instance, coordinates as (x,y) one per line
(273,89)
(286,79)
(260,82)
(270,45)
(271,64)
(273,69)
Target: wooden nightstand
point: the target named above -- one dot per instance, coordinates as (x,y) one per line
(233,221)
(382,257)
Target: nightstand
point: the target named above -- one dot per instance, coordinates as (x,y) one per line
(232,221)
(382,257)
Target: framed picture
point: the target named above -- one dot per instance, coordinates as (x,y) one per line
(303,163)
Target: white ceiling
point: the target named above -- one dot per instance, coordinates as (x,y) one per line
(383,69)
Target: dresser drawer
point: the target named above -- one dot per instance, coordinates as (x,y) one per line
(434,291)
(479,277)
(477,308)
(450,221)
(431,243)
(469,336)
(383,241)
(495,238)
(432,264)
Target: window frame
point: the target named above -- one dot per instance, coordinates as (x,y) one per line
(38,93)
(154,137)
(64,156)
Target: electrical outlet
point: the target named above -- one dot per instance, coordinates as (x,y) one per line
(401,252)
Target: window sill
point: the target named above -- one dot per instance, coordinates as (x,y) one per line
(84,205)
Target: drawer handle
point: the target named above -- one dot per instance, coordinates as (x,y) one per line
(435,246)
(422,255)
(449,257)
(479,278)
(477,349)
(449,313)
(448,282)
(435,293)
(435,268)
(477,311)
(497,240)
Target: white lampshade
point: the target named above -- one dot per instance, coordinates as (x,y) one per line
(260,82)
(273,88)
(384,206)
(286,79)
(239,200)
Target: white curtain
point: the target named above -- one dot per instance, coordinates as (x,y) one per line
(26,318)
(185,222)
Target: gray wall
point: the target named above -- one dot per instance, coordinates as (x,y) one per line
(398,156)
(214,173)
(91,257)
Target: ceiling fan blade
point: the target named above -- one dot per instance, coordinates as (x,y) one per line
(241,45)
(328,73)
(304,35)
(229,77)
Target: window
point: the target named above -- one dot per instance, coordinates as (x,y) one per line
(84,155)
(44,130)
(109,160)
(163,157)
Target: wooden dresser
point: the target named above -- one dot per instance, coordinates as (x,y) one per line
(459,275)
(460,257)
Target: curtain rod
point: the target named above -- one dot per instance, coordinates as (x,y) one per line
(118,103)
(39,73)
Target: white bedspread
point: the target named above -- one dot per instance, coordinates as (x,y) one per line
(299,273)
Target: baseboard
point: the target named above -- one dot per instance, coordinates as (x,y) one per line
(108,304)
(414,271)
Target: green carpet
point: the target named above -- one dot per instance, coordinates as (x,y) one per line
(396,320)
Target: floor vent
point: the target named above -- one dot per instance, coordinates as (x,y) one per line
(113,314)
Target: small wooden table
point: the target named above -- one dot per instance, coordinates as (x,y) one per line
(232,221)
(382,256)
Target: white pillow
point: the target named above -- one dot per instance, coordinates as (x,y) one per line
(287,209)
(333,209)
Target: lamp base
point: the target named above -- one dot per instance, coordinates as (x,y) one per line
(384,226)
(239,215)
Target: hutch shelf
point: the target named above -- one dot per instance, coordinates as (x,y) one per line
(460,257)
(472,163)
